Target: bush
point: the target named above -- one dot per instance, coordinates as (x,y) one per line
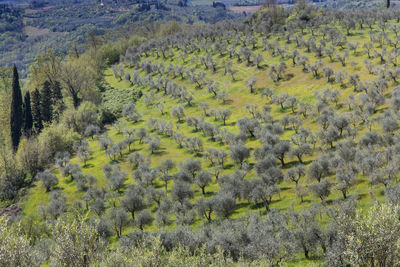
(78,119)
(57,138)
(33,157)
(107,117)
(115,99)
(15,249)
(75,244)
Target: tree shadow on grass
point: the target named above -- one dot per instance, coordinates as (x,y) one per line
(305,201)
(88,165)
(159,153)
(240,206)
(229,166)
(198,155)
(381,192)
(255,206)
(159,186)
(208,193)
(285,188)
(290,164)
(114,161)
(68,180)
(288,77)
(263,67)
(55,188)
(233,123)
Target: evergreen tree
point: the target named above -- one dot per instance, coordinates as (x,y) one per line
(36,113)
(28,120)
(56,91)
(46,102)
(58,102)
(16,116)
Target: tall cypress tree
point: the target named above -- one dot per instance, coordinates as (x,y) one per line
(36,113)
(46,102)
(56,91)
(28,120)
(58,102)
(16,115)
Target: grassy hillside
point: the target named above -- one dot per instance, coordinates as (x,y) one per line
(326,113)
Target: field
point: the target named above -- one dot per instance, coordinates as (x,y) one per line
(247,9)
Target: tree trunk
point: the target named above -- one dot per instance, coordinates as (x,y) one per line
(266,206)
(252,134)
(300,160)
(209,216)
(75,99)
(306,253)
(282,161)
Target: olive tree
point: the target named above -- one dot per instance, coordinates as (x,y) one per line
(247,125)
(239,153)
(205,207)
(133,200)
(48,179)
(143,218)
(119,218)
(251,83)
(224,204)
(181,191)
(178,112)
(130,111)
(202,179)
(69,250)
(294,174)
(15,248)
(322,189)
(371,238)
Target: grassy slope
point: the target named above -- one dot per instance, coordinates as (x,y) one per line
(301,85)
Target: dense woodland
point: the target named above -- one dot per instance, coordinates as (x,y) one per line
(270,140)
(27,30)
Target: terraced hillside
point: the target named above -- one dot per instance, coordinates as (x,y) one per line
(232,122)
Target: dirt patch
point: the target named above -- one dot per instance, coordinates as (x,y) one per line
(33,31)
(247,9)
(36,10)
(11,211)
